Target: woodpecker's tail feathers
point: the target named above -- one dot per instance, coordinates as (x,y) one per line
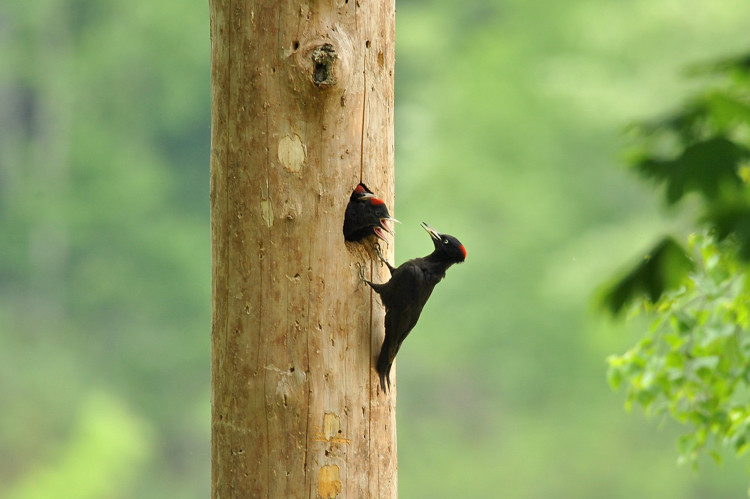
(384,371)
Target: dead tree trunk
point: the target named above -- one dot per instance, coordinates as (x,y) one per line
(302,110)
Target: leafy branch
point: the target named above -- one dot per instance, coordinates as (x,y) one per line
(693,363)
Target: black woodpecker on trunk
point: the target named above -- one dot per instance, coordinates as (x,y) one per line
(407,291)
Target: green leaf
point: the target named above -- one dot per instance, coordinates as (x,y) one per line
(703,167)
(682,321)
(732,219)
(663,268)
(614,377)
(704,366)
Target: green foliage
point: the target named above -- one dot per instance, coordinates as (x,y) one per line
(108,447)
(694,361)
(703,167)
(104,253)
(663,268)
(703,149)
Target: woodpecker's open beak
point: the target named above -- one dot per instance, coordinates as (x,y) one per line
(380,234)
(435,235)
(384,224)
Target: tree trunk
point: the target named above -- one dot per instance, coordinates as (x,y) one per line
(302,110)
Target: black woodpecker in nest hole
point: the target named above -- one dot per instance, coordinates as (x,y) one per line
(365,215)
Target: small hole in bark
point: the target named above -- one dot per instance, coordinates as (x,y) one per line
(367,44)
(295,44)
(323,59)
(319,73)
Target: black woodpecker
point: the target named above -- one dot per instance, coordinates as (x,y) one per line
(407,291)
(365,215)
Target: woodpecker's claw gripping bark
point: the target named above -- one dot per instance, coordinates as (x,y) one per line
(362,277)
(378,250)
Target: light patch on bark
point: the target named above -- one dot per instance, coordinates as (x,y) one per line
(266,211)
(329,483)
(331,424)
(332,432)
(291,152)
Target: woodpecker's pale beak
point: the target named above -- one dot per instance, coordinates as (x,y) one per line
(384,224)
(435,235)
(380,234)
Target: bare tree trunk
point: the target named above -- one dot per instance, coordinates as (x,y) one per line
(302,110)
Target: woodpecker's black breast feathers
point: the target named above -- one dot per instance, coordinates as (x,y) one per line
(406,293)
(366,214)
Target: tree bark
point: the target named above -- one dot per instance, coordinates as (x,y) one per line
(302,110)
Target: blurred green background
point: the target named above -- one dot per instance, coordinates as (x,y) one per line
(508,136)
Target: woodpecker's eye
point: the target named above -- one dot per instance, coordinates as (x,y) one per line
(445,241)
